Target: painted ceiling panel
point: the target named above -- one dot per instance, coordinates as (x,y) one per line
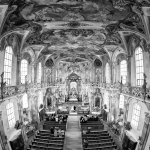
(73,28)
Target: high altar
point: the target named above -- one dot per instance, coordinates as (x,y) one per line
(73,87)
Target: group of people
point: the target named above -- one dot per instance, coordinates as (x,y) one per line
(57,118)
(56,131)
(85,118)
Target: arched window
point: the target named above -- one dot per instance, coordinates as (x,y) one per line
(8,65)
(136,115)
(123,71)
(107,73)
(40,72)
(121,103)
(139,66)
(24,70)
(10,114)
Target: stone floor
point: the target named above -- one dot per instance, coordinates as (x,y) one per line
(73,140)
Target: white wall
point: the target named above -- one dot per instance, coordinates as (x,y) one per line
(137,132)
(9,131)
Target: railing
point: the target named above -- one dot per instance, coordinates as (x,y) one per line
(15,90)
(129,90)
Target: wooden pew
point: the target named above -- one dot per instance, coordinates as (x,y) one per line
(38,147)
(54,122)
(47,134)
(92,122)
(97,138)
(100,144)
(98,132)
(102,147)
(48,126)
(99,141)
(47,144)
(47,141)
(49,137)
(95,135)
(93,127)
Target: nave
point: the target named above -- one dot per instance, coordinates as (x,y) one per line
(73,134)
(75,58)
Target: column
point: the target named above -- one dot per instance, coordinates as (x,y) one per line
(18,74)
(35,73)
(129,70)
(111,72)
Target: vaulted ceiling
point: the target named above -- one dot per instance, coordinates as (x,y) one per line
(71,30)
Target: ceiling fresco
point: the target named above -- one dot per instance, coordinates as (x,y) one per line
(73,28)
(77,10)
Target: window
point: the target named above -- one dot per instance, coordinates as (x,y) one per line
(136,115)
(8,65)
(40,72)
(24,67)
(107,73)
(25,101)
(139,66)
(121,103)
(10,114)
(123,71)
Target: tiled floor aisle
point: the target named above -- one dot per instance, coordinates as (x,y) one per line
(73,140)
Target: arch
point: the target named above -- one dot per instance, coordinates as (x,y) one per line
(119,51)
(29,55)
(12,40)
(134,42)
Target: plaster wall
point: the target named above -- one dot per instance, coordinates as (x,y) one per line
(136,132)
(10,132)
(1,62)
(147,67)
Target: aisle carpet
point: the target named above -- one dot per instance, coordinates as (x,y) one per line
(73,140)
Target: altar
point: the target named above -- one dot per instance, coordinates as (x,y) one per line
(73,100)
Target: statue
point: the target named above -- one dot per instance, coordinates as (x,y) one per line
(3,84)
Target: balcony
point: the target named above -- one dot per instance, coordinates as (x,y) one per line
(19,89)
(138,92)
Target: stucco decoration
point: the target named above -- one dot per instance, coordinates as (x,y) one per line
(134,42)
(97,63)
(12,40)
(49,63)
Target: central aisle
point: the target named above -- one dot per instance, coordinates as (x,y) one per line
(73,139)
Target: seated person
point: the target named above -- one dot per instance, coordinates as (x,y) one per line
(55,132)
(89,131)
(56,119)
(59,133)
(52,130)
(47,118)
(85,143)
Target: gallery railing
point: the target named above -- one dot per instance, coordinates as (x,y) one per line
(15,90)
(139,92)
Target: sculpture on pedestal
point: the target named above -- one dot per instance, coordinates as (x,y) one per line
(3,84)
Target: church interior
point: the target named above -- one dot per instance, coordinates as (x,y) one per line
(74,74)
